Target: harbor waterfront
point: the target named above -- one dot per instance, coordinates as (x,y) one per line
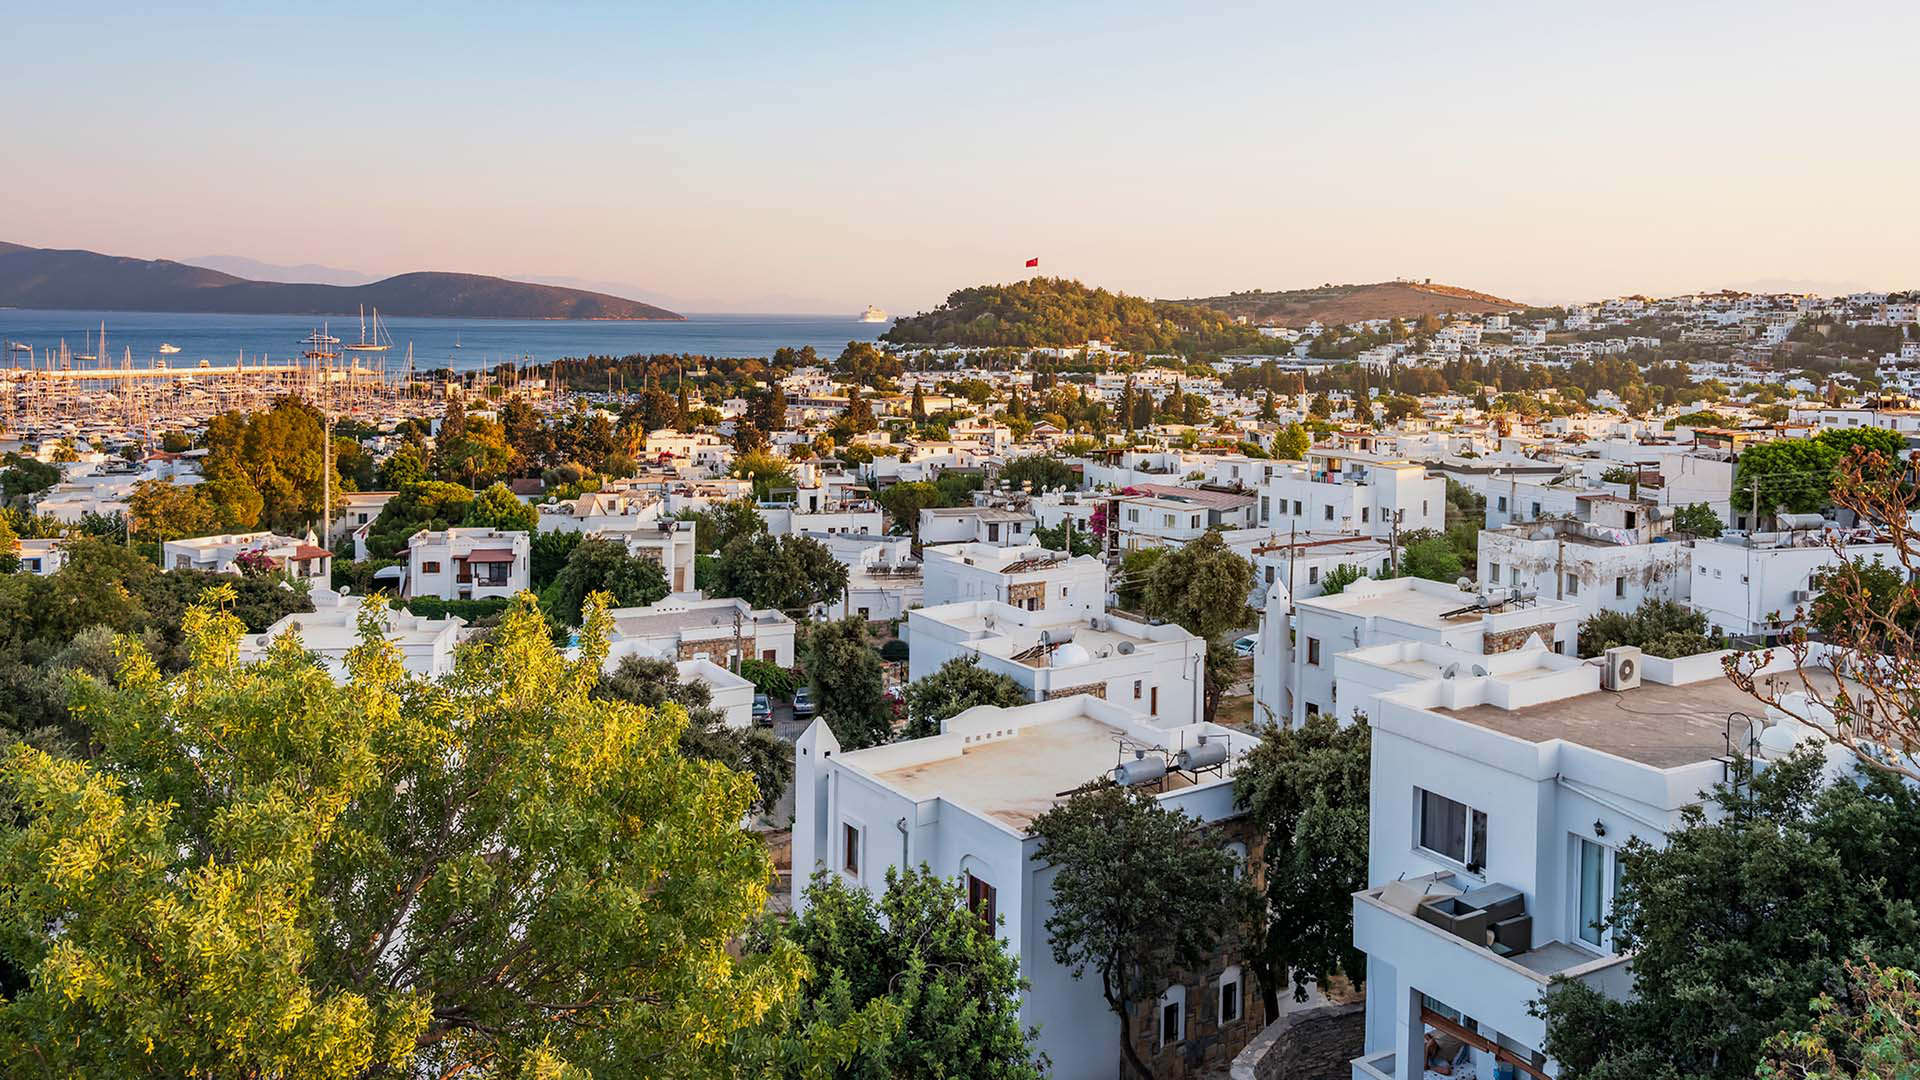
(460,344)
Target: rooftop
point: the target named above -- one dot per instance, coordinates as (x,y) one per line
(1653,724)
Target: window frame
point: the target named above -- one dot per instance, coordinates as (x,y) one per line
(1230,980)
(853,843)
(1473,829)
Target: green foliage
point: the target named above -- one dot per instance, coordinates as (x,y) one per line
(499,508)
(26,476)
(1055,539)
(1203,586)
(1888,595)
(1619,474)
(1790,474)
(1291,443)
(895,651)
(276,455)
(768,472)
(1657,627)
(1704,418)
(1059,312)
(547,556)
(1890,445)
(654,683)
(904,501)
(1136,574)
(603,566)
(786,573)
(9,546)
(429,504)
(1697,519)
(769,678)
(1335,581)
(474,611)
(848,688)
(721,523)
(1306,789)
(475,450)
(1739,922)
(1871,1029)
(1425,553)
(937,990)
(256,838)
(959,685)
(1102,844)
(406,465)
(1037,473)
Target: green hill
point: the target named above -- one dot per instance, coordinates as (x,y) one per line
(1059,312)
(1339,305)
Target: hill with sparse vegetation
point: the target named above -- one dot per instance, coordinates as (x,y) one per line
(1058,312)
(1340,305)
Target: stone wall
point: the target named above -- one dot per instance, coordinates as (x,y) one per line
(1310,1044)
(1509,640)
(1018,595)
(1097,689)
(717,648)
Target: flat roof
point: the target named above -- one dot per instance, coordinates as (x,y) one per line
(1653,724)
(1016,779)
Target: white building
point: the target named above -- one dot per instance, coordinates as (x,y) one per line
(731,694)
(1030,577)
(884,580)
(976,524)
(1158,671)
(1615,560)
(1752,584)
(962,803)
(41,556)
(332,629)
(467,563)
(300,558)
(721,631)
(1500,804)
(1352,492)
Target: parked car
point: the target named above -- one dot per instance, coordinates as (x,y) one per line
(803,703)
(1246,645)
(762,711)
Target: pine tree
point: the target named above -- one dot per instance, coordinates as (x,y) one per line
(919,405)
(1126,404)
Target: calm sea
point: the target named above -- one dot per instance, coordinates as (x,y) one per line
(457,343)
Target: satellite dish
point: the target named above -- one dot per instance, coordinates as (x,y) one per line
(1452,671)
(1046,638)
(1464,583)
(1480,671)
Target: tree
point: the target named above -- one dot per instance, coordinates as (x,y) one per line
(1790,474)
(656,683)
(1885,589)
(1739,922)
(1335,581)
(1871,1030)
(547,556)
(596,567)
(1430,556)
(1306,789)
(787,573)
(918,409)
(767,472)
(9,546)
(1203,586)
(859,411)
(499,508)
(1657,627)
(1291,443)
(429,504)
(475,453)
(1136,574)
(291,878)
(162,510)
(1055,539)
(1102,844)
(927,976)
(26,476)
(278,454)
(1037,473)
(904,501)
(844,673)
(1697,519)
(959,685)
(406,465)
(720,524)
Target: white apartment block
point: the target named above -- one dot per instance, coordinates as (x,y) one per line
(976,524)
(1502,795)
(1371,613)
(962,803)
(332,629)
(1030,577)
(1753,584)
(301,559)
(1615,560)
(1157,671)
(41,556)
(721,631)
(1340,491)
(467,563)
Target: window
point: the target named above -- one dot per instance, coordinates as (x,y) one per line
(1619,586)
(1136,689)
(1329,513)
(850,858)
(430,567)
(1363,514)
(1296,508)
(1536,510)
(1493,573)
(1313,651)
(1425,508)
(1269,573)
(494,574)
(981,901)
(993,532)
(1230,995)
(1239,852)
(1173,1015)
(1167,520)
(1573,585)
(1451,830)
(1313,708)
(1599,885)
(1313,575)
(1502,507)
(1133,514)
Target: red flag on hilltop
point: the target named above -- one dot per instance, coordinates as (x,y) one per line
(1035,261)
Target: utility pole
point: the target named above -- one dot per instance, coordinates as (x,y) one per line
(1393,545)
(739,646)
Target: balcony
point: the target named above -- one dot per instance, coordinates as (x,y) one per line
(1375,1066)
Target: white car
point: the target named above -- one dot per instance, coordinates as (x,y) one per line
(1247,645)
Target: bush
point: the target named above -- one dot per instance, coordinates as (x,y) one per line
(432,607)
(769,678)
(1658,628)
(894,651)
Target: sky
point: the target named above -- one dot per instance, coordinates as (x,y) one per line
(819,158)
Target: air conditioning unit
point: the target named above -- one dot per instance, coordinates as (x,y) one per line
(1620,669)
(1800,596)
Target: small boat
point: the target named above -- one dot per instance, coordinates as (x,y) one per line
(168,350)
(319,337)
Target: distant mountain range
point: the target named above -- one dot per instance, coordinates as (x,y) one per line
(304,274)
(1336,305)
(70,279)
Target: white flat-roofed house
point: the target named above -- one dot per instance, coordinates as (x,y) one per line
(41,556)
(721,631)
(884,580)
(332,629)
(357,508)
(637,518)
(1501,798)
(227,553)
(732,695)
(1616,557)
(1030,577)
(1157,671)
(962,803)
(467,563)
(976,524)
(1752,584)
(1349,491)
(1402,609)
(1295,567)
(80,494)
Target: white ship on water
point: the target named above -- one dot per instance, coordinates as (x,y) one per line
(873,314)
(167,349)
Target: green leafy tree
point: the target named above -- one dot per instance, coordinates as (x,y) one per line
(1037,473)
(278,454)
(656,683)
(547,555)
(290,878)
(1740,921)
(787,573)
(1789,474)
(767,472)
(1136,575)
(1102,844)
(26,476)
(848,689)
(1430,556)
(162,510)
(1870,1029)
(406,465)
(769,678)
(1291,443)
(597,566)
(1203,586)
(917,968)
(1056,537)
(959,685)
(9,546)
(1697,519)
(499,508)
(1657,627)
(904,501)
(1335,581)
(1306,789)
(1888,597)
(429,504)
(720,524)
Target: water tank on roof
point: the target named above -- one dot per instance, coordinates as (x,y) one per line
(1201,755)
(1141,770)
(1801,521)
